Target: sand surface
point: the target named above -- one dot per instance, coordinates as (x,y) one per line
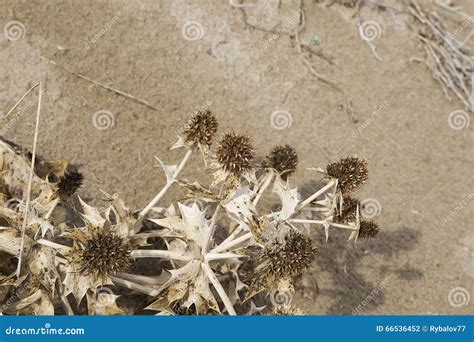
(422,261)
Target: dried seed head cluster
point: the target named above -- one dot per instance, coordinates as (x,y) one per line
(368,229)
(287,256)
(70,182)
(101,254)
(351,173)
(201,128)
(282,158)
(235,153)
(215,250)
(349,210)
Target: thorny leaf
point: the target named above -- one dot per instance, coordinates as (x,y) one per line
(289,198)
(42,266)
(91,215)
(169,170)
(240,205)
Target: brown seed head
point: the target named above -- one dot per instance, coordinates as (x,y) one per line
(282,158)
(351,173)
(288,258)
(103,253)
(349,210)
(235,154)
(70,182)
(201,128)
(368,229)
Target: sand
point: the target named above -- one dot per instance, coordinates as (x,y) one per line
(422,261)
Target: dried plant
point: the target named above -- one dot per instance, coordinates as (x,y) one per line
(220,250)
(449,59)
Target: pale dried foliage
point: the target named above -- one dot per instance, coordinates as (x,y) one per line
(218,251)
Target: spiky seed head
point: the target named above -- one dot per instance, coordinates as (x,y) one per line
(351,173)
(286,310)
(201,128)
(283,259)
(70,182)
(293,256)
(349,210)
(101,254)
(282,158)
(368,229)
(235,153)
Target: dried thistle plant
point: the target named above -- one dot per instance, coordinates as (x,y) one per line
(220,249)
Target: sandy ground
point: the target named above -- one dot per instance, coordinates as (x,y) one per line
(422,262)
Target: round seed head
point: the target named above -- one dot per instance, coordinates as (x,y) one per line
(286,310)
(368,229)
(288,258)
(282,158)
(351,173)
(201,128)
(235,154)
(349,210)
(70,182)
(103,253)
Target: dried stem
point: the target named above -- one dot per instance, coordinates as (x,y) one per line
(168,184)
(19,101)
(30,181)
(220,290)
(155,253)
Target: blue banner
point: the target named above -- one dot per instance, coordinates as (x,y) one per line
(243,328)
